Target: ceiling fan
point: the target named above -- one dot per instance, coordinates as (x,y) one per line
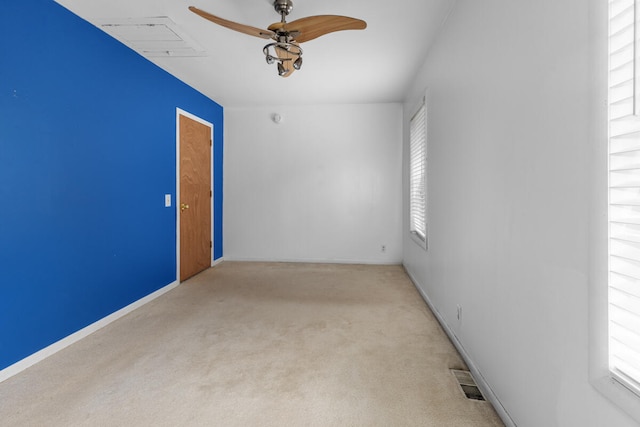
(285,49)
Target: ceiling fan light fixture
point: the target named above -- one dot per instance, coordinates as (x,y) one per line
(281,70)
(284,51)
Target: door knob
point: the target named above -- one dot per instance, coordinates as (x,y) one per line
(183,207)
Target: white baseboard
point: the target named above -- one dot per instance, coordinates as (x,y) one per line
(217,261)
(477,375)
(315,261)
(31,360)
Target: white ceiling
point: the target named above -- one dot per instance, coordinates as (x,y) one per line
(371,66)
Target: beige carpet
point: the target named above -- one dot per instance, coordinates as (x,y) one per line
(258,344)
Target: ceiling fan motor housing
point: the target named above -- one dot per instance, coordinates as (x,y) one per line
(283,7)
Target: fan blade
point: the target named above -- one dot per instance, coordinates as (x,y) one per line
(315,26)
(246,29)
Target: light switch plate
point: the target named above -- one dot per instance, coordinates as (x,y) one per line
(167,200)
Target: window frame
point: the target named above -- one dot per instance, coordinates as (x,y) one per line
(416,235)
(600,376)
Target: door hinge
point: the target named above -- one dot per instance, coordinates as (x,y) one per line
(211,143)
(210,244)
(210,193)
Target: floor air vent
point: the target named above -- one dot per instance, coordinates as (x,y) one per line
(467,384)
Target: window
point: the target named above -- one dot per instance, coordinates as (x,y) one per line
(418,175)
(624,196)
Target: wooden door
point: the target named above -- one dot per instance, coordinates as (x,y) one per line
(195,197)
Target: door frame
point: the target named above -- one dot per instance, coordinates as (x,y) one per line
(181,112)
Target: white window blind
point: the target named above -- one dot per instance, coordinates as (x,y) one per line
(418,173)
(624,195)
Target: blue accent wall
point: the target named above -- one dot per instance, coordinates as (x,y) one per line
(87,153)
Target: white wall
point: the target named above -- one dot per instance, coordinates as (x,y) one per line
(324,185)
(509,196)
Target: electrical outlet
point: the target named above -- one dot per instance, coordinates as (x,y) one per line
(383,248)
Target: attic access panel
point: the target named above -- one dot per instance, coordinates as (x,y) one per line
(152,37)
